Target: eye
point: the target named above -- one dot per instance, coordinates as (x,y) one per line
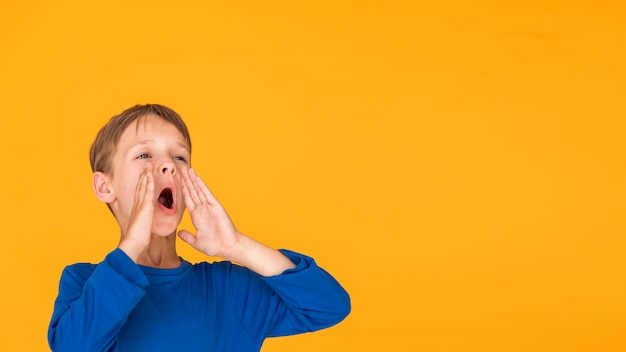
(143,156)
(180,158)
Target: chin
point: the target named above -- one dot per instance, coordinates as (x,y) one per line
(163,224)
(164,230)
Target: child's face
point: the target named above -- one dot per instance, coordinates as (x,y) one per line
(151,139)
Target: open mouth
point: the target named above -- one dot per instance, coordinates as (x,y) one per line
(166,198)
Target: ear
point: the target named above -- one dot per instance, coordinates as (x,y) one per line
(100,184)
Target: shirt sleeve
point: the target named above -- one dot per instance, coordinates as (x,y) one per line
(94,302)
(303,299)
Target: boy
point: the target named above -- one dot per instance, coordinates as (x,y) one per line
(143,296)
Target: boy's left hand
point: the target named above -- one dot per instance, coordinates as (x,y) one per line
(215,232)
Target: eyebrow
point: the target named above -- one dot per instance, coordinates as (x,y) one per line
(148,141)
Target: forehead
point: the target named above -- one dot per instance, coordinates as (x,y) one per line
(149,128)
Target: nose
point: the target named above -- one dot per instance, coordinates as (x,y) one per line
(167,168)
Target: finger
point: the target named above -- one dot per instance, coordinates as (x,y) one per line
(187,237)
(191,189)
(203,189)
(141,187)
(149,184)
(145,185)
(191,205)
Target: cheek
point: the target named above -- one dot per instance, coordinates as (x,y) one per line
(131,183)
(129,186)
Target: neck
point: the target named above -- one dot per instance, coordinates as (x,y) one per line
(161,253)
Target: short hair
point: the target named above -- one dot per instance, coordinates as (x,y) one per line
(105,144)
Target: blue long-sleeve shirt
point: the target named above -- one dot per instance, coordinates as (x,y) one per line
(117,305)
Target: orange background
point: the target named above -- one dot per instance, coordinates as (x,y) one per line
(457,165)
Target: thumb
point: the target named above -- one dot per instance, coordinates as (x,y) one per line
(187,237)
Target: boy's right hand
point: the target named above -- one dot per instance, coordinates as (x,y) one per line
(136,238)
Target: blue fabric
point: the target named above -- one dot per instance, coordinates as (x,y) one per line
(117,305)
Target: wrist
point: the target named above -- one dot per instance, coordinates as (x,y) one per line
(131,249)
(262,259)
(235,251)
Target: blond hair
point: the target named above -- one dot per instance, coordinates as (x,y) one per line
(105,144)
